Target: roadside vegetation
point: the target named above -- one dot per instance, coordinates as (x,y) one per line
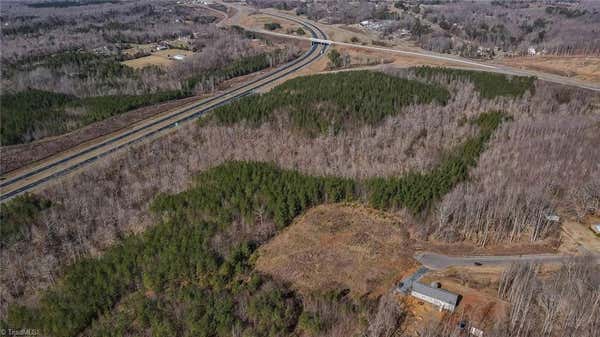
(52,89)
(33,114)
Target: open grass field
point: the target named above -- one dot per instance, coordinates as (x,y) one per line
(581,67)
(339,246)
(258,21)
(161,58)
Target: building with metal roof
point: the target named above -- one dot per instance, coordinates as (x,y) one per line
(444,299)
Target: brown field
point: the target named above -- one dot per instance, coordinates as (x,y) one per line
(258,22)
(578,236)
(340,246)
(158,58)
(581,67)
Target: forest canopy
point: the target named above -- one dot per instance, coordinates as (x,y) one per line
(331,102)
(181,248)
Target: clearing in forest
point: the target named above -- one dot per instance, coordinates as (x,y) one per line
(158,58)
(336,246)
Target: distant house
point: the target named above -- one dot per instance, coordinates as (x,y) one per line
(596,229)
(531,51)
(476,332)
(444,299)
(178,57)
(553,217)
(162,47)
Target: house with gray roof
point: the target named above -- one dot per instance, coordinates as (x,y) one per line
(444,299)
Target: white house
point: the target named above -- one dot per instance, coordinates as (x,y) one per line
(444,299)
(476,332)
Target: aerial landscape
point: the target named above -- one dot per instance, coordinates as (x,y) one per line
(300,168)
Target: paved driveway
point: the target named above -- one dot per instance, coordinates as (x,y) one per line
(438,261)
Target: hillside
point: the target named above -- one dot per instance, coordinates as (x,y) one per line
(195,233)
(51,89)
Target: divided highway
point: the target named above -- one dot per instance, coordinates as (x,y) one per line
(457,60)
(34,175)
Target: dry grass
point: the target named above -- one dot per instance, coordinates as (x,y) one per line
(258,21)
(579,237)
(581,67)
(161,58)
(340,246)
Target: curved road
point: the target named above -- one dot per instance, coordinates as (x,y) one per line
(438,261)
(483,66)
(36,174)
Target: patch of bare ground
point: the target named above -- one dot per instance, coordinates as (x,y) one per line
(340,246)
(585,68)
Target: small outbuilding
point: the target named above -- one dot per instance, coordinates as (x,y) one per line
(596,229)
(444,299)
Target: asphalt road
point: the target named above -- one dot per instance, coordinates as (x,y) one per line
(438,261)
(36,174)
(491,67)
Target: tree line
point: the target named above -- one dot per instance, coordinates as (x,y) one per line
(416,191)
(331,102)
(32,114)
(181,249)
(490,85)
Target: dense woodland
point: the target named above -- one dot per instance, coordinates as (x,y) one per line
(330,102)
(241,204)
(33,114)
(17,215)
(554,26)
(94,25)
(239,192)
(67,85)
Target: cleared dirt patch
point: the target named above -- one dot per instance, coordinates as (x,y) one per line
(340,246)
(578,236)
(258,21)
